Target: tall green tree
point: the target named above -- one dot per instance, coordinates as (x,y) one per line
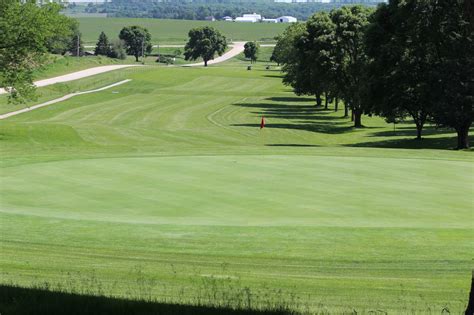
(291,53)
(283,50)
(350,26)
(251,51)
(25,31)
(103,46)
(452,33)
(422,64)
(204,42)
(317,46)
(61,42)
(401,56)
(137,40)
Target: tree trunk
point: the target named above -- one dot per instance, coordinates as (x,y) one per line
(463,136)
(346,110)
(205,63)
(336,104)
(319,101)
(136,57)
(419,129)
(470,306)
(419,118)
(352,115)
(357,114)
(326,102)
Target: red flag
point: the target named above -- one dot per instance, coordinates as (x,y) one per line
(262,123)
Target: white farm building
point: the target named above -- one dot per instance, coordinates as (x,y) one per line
(287,19)
(244,19)
(270,20)
(254,17)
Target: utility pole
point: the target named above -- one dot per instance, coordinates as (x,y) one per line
(78,46)
(143,50)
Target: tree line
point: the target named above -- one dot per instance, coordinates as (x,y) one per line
(200,10)
(410,59)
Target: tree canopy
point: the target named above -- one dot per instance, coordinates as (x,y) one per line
(422,57)
(408,59)
(251,51)
(326,55)
(26,33)
(204,42)
(137,40)
(103,46)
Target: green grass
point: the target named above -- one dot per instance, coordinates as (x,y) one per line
(169,189)
(176,31)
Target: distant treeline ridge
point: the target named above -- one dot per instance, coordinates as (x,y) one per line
(202,9)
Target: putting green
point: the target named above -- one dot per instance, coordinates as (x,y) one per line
(245,190)
(165,187)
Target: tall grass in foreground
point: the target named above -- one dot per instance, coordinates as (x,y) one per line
(210,294)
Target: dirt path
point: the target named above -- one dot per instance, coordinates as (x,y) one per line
(57,100)
(76,75)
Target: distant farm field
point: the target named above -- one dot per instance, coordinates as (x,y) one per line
(176,31)
(165,187)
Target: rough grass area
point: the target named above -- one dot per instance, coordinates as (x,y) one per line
(176,31)
(167,186)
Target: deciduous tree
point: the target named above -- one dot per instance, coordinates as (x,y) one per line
(284,48)
(296,62)
(401,57)
(137,40)
(422,64)
(350,25)
(453,71)
(317,46)
(204,42)
(251,51)
(25,31)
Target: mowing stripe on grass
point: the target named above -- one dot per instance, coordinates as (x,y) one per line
(65,97)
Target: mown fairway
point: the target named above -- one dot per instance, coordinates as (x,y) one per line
(168,188)
(176,31)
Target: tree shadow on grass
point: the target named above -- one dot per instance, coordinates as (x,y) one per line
(300,116)
(284,111)
(273,76)
(294,99)
(17,300)
(328,128)
(410,132)
(443,143)
(296,145)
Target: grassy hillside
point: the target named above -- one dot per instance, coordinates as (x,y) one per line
(176,31)
(165,187)
(57,65)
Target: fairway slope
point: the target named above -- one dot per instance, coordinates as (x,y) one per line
(168,188)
